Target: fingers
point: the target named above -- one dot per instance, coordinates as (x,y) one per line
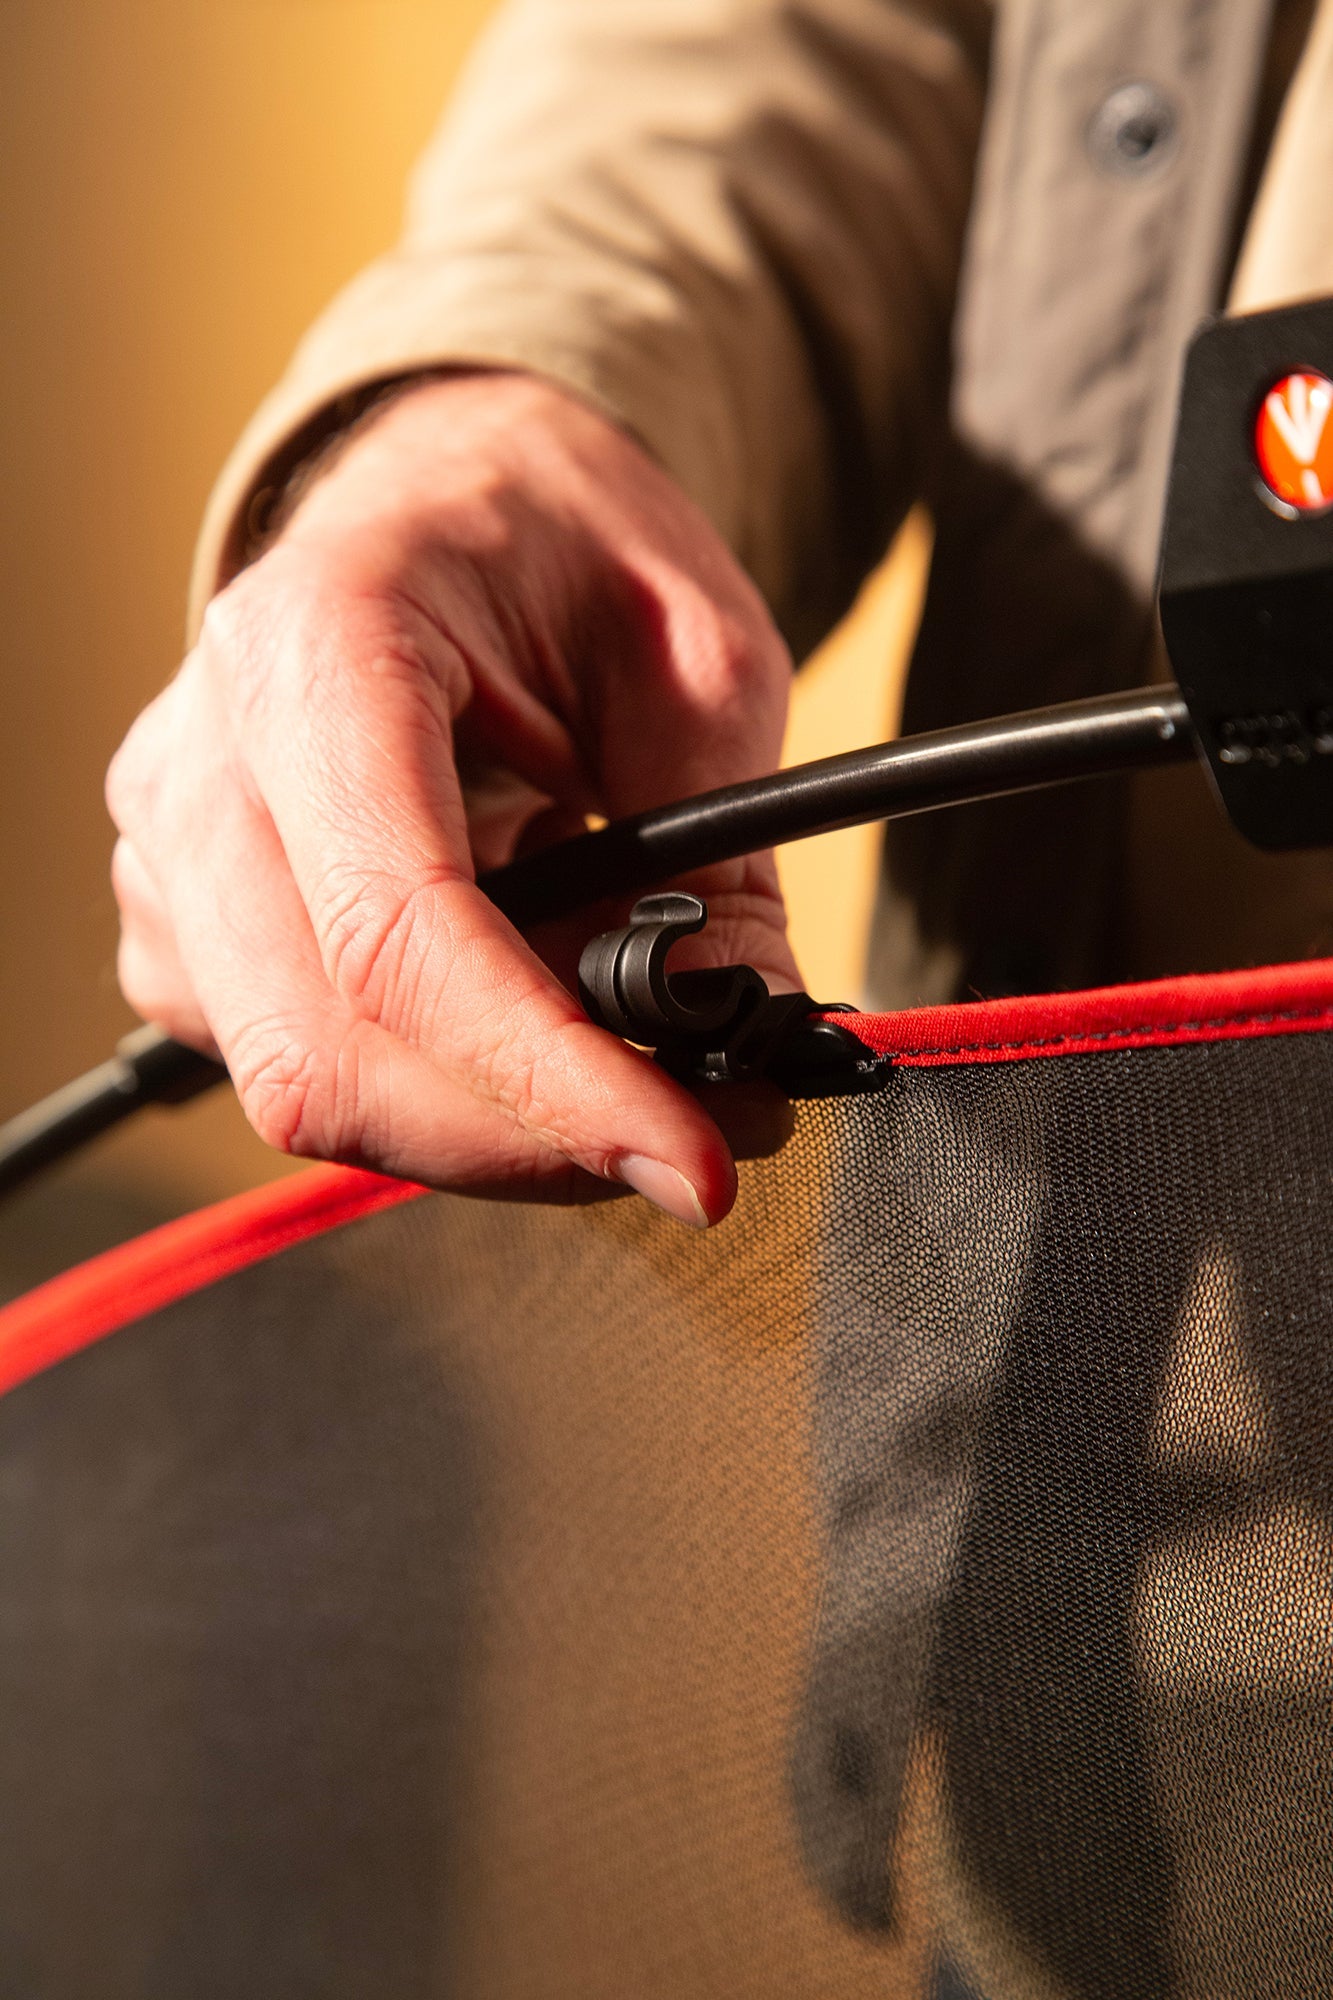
(297,874)
(372,1004)
(148,965)
(691,693)
(747,922)
(617,656)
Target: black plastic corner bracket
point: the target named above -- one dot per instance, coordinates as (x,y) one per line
(721,1025)
(1246,591)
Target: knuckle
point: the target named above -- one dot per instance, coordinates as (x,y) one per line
(283,1083)
(749,671)
(136,976)
(252,631)
(513,1085)
(545,1086)
(121,790)
(727,629)
(228,621)
(297,634)
(419,684)
(361,927)
(374,937)
(130,884)
(131,781)
(155,988)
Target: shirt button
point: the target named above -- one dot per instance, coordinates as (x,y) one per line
(1133,130)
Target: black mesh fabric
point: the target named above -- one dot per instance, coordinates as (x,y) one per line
(922,1586)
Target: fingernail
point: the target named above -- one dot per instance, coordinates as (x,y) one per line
(663,1186)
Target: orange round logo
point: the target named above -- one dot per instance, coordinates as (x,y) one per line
(1293,441)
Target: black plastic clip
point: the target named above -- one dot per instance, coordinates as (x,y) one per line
(721,1025)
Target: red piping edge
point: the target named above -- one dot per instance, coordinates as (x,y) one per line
(84,1305)
(1208,1007)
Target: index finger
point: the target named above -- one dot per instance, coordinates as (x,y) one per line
(358,777)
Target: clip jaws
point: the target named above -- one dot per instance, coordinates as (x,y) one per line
(720,1025)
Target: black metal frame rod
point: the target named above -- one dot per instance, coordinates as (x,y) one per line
(915,774)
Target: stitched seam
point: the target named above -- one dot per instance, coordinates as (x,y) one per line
(1081,1036)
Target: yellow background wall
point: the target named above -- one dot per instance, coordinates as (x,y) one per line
(186,182)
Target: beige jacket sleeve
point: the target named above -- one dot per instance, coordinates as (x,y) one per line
(733,225)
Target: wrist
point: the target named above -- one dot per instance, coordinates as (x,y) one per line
(354,415)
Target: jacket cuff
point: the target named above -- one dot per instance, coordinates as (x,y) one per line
(400,319)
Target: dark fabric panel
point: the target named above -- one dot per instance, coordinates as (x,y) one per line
(236,1547)
(1074,1439)
(922,1584)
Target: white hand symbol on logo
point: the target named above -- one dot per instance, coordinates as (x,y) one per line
(1299,417)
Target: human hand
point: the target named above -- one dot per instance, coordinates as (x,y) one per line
(492,615)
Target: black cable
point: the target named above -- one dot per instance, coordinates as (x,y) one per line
(982,760)
(949,767)
(147,1068)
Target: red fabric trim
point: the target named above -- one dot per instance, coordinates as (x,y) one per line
(84,1305)
(1213,1007)
(127,1283)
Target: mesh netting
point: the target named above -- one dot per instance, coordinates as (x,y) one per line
(921,1586)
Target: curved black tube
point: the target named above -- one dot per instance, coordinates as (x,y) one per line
(949,767)
(982,760)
